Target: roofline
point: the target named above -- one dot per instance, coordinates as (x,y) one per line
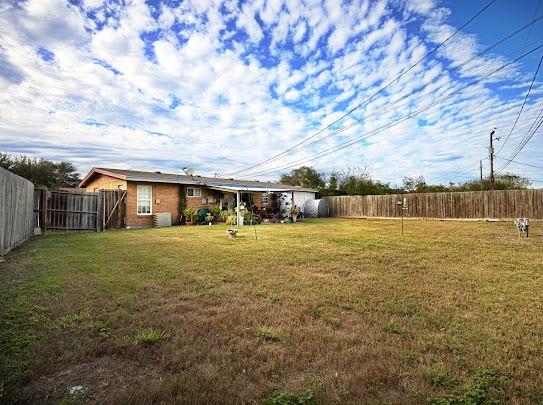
(195,181)
(101,171)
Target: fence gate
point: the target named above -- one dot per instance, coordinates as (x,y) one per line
(113,206)
(74,210)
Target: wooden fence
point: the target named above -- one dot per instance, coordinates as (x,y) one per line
(78,210)
(16,206)
(451,205)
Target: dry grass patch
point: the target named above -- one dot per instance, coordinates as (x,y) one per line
(449,313)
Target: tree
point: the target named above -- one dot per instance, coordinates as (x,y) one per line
(357,181)
(332,184)
(41,172)
(305,177)
(413,184)
(505,181)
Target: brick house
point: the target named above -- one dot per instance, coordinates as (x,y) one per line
(150,193)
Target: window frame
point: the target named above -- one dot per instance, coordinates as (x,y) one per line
(266,197)
(193,193)
(138,199)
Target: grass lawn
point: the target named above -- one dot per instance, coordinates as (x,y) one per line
(328,311)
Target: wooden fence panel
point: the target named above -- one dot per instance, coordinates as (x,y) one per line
(450,205)
(16,210)
(78,210)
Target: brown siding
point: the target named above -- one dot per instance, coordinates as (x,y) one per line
(167,195)
(103,182)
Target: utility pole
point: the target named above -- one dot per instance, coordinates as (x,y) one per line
(481,173)
(491,157)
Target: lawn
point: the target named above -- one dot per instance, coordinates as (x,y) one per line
(324,311)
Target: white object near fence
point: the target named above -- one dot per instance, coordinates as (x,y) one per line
(162,219)
(16,210)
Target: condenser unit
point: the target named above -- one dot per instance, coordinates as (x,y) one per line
(162,219)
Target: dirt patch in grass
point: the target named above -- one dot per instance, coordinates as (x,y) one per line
(96,381)
(355,313)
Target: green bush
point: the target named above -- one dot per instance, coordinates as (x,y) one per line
(216,212)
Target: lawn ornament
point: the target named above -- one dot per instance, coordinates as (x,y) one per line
(232,233)
(522,225)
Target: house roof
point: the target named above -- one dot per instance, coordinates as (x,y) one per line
(158,177)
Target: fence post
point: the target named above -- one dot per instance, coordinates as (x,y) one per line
(98,210)
(43,191)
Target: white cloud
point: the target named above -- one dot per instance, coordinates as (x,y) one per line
(75,107)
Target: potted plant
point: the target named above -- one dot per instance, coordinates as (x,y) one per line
(191,216)
(209,218)
(294,213)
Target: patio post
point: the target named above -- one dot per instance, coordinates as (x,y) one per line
(238,202)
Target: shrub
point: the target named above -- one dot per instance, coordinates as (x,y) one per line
(216,212)
(231,220)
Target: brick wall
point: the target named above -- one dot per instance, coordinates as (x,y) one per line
(165,199)
(198,202)
(103,182)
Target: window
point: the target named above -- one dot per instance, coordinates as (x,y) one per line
(265,198)
(194,192)
(145,195)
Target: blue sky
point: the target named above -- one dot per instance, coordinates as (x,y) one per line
(219,86)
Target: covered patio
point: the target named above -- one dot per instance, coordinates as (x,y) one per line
(269,203)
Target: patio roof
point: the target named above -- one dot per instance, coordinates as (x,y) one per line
(262,189)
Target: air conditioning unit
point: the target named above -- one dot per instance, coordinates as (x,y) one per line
(162,219)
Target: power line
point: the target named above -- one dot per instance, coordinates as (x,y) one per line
(452,174)
(393,123)
(424,85)
(520,163)
(530,30)
(522,107)
(523,142)
(372,96)
(405,96)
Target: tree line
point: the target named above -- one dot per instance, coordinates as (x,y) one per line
(41,172)
(358,181)
(351,181)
